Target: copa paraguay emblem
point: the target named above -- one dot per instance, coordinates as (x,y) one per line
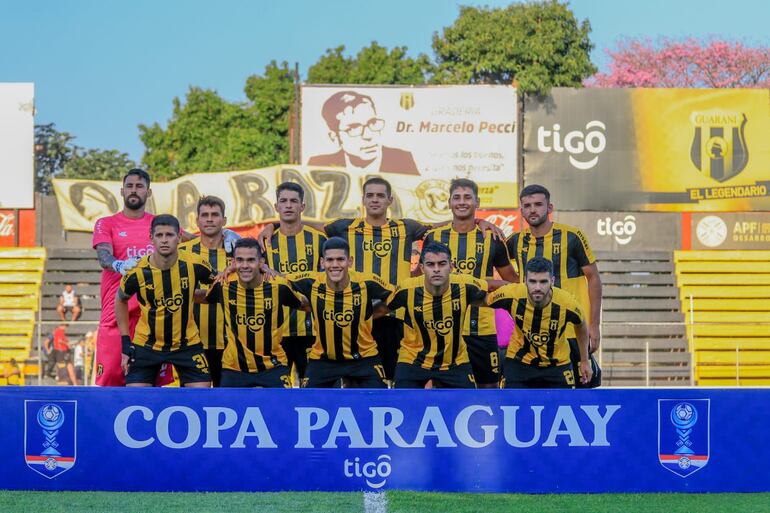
(684,438)
(50,441)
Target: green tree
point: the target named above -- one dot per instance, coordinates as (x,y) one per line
(97,164)
(53,149)
(373,64)
(537,45)
(208,133)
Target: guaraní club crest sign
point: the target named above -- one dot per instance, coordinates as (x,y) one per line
(719,146)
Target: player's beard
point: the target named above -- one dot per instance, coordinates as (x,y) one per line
(538,221)
(138,205)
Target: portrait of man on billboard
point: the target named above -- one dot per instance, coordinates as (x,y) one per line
(357,131)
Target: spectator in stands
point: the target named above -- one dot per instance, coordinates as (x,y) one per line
(68,302)
(79,359)
(65,370)
(12,372)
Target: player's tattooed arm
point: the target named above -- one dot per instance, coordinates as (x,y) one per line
(104,254)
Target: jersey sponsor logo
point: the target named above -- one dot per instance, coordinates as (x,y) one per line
(139,252)
(380,248)
(172,304)
(300,266)
(253,322)
(465,265)
(50,436)
(341,319)
(684,435)
(537,339)
(441,326)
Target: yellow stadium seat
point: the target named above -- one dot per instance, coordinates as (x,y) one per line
(705,267)
(729,344)
(21,277)
(720,304)
(721,255)
(19,302)
(722,279)
(34,253)
(724,291)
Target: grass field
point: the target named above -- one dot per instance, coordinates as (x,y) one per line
(397,502)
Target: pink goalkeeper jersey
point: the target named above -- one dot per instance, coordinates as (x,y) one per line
(129,238)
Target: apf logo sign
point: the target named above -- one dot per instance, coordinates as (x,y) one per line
(622,231)
(375,473)
(576,143)
(711,231)
(50,436)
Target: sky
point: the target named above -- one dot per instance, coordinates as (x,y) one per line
(102,68)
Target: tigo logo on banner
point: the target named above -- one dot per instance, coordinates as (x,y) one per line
(621,230)
(50,436)
(375,473)
(684,438)
(575,143)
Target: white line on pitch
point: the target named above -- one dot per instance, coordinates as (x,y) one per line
(375,502)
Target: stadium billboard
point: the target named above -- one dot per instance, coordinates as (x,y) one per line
(727,230)
(330,193)
(17,139)
(433,132)
(626,231)
(533,441)
(651,149)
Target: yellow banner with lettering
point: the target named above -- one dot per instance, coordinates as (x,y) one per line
(330,193)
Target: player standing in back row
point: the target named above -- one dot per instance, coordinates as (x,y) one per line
(476,253)
(574,265)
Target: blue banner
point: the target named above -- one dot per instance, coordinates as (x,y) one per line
(540,441)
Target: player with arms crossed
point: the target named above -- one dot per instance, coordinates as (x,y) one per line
(436,306)
(164,283)
(255,315)
(574,265)
(475,253)
(341,302)
(538,355)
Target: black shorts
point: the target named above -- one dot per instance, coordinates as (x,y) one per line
(364,373)
(574,356)
(409,375)
(190,363)
(482,352)
(214,357)
(521,375)
(62,356)
(297,349)
(277,377)
(62,374)
(388,333)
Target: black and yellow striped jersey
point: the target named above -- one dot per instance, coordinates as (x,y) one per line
(255,319)
(477,254)
(568,250)
(539,337)
(166,298)
(384,251)
(289,254)
(209,318)
(343,319)
(435,340)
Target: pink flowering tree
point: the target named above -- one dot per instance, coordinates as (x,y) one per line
(685,63)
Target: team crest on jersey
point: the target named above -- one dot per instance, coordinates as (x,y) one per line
(394,232)
(554,325)
(309,249)
(185,282)
(479,247)
(356,299)
(50,436)
(455,304)
(268,303)
(556,248)
(684,438)
(719,148)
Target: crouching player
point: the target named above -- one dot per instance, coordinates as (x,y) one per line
(254,319)
(164,283)
(436,306)
(539,353)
